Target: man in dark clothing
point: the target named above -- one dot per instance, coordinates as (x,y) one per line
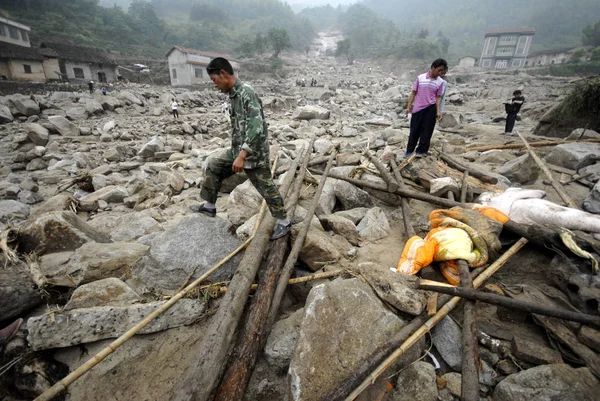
(249,150)
(512,109)
(427,96)
(91,86)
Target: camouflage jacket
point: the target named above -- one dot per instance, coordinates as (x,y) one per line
(249,126)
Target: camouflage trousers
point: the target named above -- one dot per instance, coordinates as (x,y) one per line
(218,169)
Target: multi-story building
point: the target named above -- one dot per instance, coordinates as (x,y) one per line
(18,60)
(14,32)
(506,48)
(188,66)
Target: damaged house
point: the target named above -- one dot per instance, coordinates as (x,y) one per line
(18,60)
(188,66)
(79,63)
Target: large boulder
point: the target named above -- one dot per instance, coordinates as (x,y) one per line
(374,225)
(25,106)
(93,261)
(56,232)
(343,325)
(574,155)
(110,103)
(342,226)
(17,291)
(109,194)
(5,114)
(156,144)
(549,383)
(77,113)
(523,170)
(282,341)
(37,134)
(130,98)
(444,337)
(10,208)
(417,382)
(63,126)
(196,241)
(126,227)
(106,292)
(582,133)
(243,202)
(311,113)
(318,249)
(77,326)
(591,173)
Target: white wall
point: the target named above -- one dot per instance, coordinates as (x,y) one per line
(5,36)
(87,74)
(178,62)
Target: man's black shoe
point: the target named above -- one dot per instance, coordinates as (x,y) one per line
(211,212)
(281,230)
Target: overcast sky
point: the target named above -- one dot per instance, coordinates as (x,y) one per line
(309,3)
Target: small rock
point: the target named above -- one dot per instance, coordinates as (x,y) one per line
(374,225)
(282,340)
(318,249)
(523,170)
(63,126)
(106,292)
(445,335)
(37,134)
(11,208)
(417,382)
(311,113)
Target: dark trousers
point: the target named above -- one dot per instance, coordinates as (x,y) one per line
(422,124)
(175,113)
(510,122)
(219,168)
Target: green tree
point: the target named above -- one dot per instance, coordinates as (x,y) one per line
(596,54)
(423,34)
(260,43)
(591,35)
(577,56)
(344,48)
(279,40)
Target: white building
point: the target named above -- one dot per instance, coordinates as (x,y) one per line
(467,61)
(506,48)
(14,33)
(556,56)
(79,63)
(188,66)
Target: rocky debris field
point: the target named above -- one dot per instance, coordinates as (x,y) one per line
(97,234)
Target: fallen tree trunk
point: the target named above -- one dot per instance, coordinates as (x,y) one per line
(408,227)
(519,146)
(392,185)
(462,168)
(470,360)
(507,302)
(203,374)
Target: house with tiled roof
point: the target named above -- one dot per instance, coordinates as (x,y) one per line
(79,63)
(506,48)
(188,66)
(18,60)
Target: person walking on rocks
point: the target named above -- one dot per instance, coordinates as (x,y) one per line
(249,151)
(91,87)
(174,109)
(512,109)
(427,97)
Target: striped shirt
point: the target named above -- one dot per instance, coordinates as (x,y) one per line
(427,90)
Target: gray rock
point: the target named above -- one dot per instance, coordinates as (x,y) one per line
(77,113)
(172,179)
(342,226)
(109,194)
(63,126)
(106,292)
(318,249)
(311,113)
(25,106)
(95,261)
(344,323)
(323,146)
(445,335)
(441,186)
(17,290)
(327,198)
(399,290)
(37,134)
(523,170)
(11,208)
(196,240)
(129,97)
(92,106)
(574,155)
(36,164)
(126,227)
(591,203)
(549,383)
(110,103)
(355,215)
(449,121)
(60,202)
(5,114)
(374,225)
(56,232)
(282,341)
(453,383)
(350,196)
(112,155)
(582,133)
(594,170)
(77,326)
(417,382)
(243,202)
(156,144)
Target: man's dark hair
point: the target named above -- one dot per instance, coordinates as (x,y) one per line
(440,62)
(217,64)
(517,93)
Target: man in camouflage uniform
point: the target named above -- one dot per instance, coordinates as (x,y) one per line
(249,150)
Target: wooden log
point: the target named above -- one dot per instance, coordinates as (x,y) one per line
(555,184)
(532,144)
(462,168)
(392,185)
(470,362)
(408,227)
(288,268)
(464,188)
(511,303)
(297,188)
(431,322)
(201,377)
(406,162)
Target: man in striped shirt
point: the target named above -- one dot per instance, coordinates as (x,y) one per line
(424,102)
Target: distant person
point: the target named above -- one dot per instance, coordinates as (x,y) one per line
(249,151)
(174,108)
(91,87)
(512,108)
(427,98)
(443,102)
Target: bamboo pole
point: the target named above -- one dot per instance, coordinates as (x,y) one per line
(288,268)
(408,227)
(392,185)
(464,188)
(406,162)
(532,144)
(559,189)
(507,302)
(428,326)
(470,360)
